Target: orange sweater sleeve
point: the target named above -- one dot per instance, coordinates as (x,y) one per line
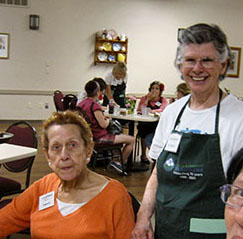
(16,216)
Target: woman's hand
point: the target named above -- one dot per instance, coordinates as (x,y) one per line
(143,229)
(150,96)
(152,111)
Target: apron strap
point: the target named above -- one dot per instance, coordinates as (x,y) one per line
(216,117)
(216,129)
(180,114)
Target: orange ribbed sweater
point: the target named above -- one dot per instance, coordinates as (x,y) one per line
(108,215)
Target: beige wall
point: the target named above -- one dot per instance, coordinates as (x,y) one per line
(60,54)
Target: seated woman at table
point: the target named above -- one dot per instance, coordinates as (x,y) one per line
(182,90)
(82,95)
(72,202)
(99,122)
(154,102)
(232,196)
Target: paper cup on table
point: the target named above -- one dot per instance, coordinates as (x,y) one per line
(116,110)
(145,110)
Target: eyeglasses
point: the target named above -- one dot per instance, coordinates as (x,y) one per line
(232,195)
(206,62)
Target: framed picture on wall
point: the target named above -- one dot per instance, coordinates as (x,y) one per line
(234,68)
(4,45)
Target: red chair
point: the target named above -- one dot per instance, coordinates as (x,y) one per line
(69,102)
(58,100)
(24,135)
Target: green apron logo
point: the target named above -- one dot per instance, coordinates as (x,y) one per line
(169,164)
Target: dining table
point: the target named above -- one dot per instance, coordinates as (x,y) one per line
(5,137)
(133,119)
(12,152)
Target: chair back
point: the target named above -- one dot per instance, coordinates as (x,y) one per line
(83,113)
(69,102)
(135,204)
(58,100)
(24,135)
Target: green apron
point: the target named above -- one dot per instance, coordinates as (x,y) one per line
(188,201)
(119,95)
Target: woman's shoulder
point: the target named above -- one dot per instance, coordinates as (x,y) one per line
(96,106)
(50,178)
(85,101)
(164,100)
(108,78)
(116,187)
(46,184)
(230,104)
(178,104)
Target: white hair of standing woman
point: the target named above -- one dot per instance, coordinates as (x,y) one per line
(203,33)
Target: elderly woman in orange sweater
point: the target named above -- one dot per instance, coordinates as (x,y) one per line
(72,202)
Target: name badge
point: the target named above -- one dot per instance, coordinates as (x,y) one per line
(158,104)
(173,142)
(46,200)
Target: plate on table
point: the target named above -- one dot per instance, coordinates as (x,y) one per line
(102,56)
(116,46)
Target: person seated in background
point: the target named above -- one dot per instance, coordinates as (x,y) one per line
(72,202)
(154,102)
(82,95)
(232,196)
(99,123)
(182,90)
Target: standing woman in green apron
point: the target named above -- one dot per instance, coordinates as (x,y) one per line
(194,142)
(116,85)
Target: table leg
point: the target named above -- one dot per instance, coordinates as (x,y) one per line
(132,166)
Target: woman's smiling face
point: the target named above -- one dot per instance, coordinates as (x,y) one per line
(66,153)
(201,67)
(155,90)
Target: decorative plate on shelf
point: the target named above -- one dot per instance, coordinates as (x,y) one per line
(102,56)
(121,57)
(116,46)
(112,33)
(111,58)
(107,46)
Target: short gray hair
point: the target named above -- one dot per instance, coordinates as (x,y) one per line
(203,33)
